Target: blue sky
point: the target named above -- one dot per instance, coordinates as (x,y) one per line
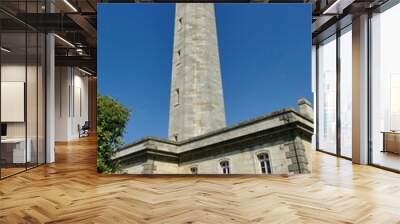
(265,55)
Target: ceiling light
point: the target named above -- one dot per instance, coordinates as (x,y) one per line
(333,6)
(65,41)
(84,71)
(70,5)
(5,50)
(79,51)
(338,6)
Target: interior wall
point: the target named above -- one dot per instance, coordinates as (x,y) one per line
(62,81)
(16,73)
(81,113)
(32,127)
(71,102)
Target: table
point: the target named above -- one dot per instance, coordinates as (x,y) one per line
(13,150)
(391,141)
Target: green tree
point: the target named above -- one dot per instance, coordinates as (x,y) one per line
(112,118)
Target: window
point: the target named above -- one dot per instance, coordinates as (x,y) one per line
(22,88)
(334,94)
(345,93)
(264,163)
(180,24)
(193,170)
(176,97)
(327,95)
(176,137)
(225,167)
(385,89)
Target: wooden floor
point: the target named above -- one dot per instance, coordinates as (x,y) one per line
(5,172)
(387,159)
(9,171)
(70,191)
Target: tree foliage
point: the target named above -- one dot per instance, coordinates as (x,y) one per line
(112,118)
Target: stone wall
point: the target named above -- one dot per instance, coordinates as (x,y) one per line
(284,135)
(283,160)
(287,154)
(197,104)
(242,162)
(136,168)
(161,167)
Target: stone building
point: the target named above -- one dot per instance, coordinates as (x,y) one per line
(197,104)
(199,141)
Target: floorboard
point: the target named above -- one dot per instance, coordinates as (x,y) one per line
(71,191)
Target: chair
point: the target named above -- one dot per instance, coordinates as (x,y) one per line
(84,130)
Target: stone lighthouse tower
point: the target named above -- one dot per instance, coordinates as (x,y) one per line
(196,101)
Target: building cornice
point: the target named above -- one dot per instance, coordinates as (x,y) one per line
(219,131)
